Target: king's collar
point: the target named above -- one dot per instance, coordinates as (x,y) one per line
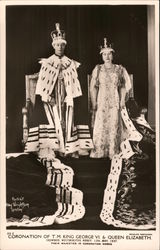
(56,61)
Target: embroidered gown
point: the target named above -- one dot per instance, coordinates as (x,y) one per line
(130,144)
(108,131)
(52,125)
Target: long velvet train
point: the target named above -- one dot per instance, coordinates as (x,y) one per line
(40,192)
(129,197)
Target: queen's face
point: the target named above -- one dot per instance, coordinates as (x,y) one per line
(107,56)
(59,48)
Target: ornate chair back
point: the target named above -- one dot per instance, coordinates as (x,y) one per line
(30,88)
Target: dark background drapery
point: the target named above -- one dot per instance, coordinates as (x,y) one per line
(28,38)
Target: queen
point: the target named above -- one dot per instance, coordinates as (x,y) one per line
(108,88)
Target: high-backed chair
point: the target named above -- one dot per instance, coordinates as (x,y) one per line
(30,88)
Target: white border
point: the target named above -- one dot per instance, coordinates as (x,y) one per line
(34,244)
(80,2)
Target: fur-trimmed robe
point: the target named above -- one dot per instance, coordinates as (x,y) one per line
(52,127)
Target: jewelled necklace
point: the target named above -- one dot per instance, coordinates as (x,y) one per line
(111,67)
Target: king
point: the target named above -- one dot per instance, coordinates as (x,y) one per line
(52,129)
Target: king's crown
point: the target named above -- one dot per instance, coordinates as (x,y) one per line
(58,34)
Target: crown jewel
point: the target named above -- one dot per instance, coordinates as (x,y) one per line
(107,47)
(58,35)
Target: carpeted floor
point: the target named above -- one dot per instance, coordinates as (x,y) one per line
(90,176)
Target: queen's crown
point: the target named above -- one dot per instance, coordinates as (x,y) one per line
(106,46)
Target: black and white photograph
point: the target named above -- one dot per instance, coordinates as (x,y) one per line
(79,125)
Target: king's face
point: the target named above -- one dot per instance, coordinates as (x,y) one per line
(59,48)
